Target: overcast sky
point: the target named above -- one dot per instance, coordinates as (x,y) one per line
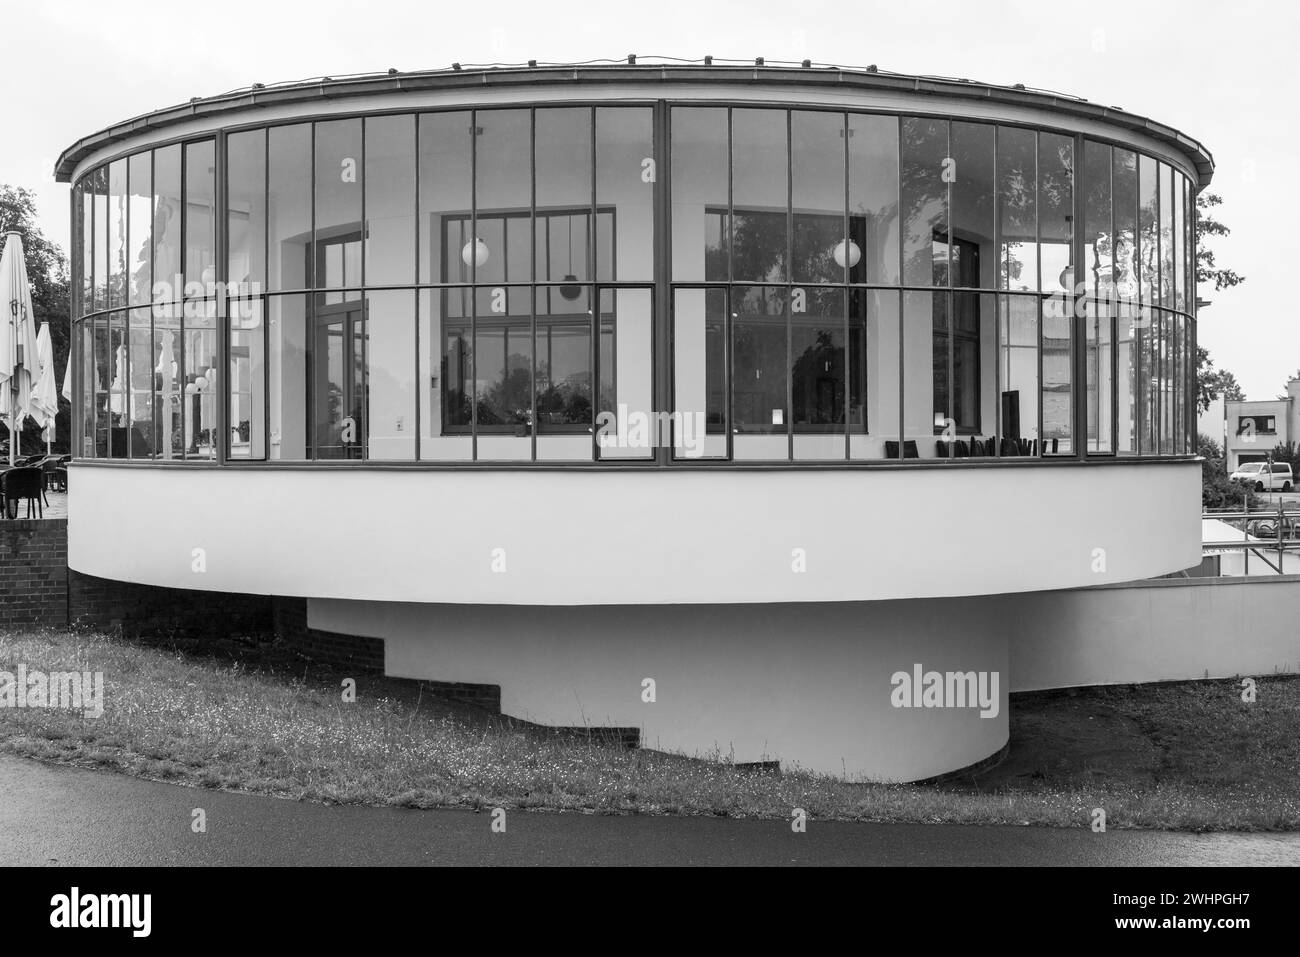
(1222,73)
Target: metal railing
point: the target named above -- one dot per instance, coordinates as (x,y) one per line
(1264,531)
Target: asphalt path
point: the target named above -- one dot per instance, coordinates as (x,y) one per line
(52,815)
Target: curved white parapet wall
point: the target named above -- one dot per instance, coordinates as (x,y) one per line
(600,537)
(809,685)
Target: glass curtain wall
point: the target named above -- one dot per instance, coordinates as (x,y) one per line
(479,285)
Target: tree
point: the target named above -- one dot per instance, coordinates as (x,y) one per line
(1217,490)
(47,271)
(1212,383)
(1207,270)
(1287,453)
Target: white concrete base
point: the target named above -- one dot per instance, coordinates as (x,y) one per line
(806,684)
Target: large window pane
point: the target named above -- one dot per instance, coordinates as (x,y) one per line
(168,282)
(821,251)
(202,394)
(1181,394)
(247,379)
(1126,384)
(972,252)
(141,439)
(1149,229)
(874,316)
(85,218)
(760,195)
(502,186)
(963,358)
(390,202)
(446,368)
(1018,208)
(117,234)
(625,184)
(1166,387)
(701,217)
(101,375)
(1098,262)
(1056,214)
(389,390)
(760,363)
(117,401)
(627,427)
(924,372)
(139,251)
(1097,320)
(288,210)
(288,377)
(502,375)
(1180,233)
(200,215)
(924,171)
(824,383)
(89,389)
(1189,247)
(100,202)
(1148,382)
(700,420)
(1018,375)
(565,373)
(1167,205)
(246,211)
(1058,375)
(168,392)
(873,198)
(336,344)
(564,228)
(1125,188)
(446,254)
(337,250)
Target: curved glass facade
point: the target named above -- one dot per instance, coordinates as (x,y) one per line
(667,283)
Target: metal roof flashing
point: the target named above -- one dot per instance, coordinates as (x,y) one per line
(733,72)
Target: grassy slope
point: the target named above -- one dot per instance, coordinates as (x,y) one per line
(1189,756)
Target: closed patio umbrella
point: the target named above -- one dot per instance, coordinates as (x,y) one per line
(167,369)
(18,349)
(117,390)
(45,401)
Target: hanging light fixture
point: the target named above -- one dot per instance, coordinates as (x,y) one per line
(570,290)
(474,253)
(1067,278)
(847,253)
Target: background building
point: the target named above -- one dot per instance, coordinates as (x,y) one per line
(1255,428)
(743,382)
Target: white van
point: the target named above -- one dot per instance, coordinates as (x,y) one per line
(1264,480)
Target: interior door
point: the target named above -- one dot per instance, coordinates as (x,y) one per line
(337,403)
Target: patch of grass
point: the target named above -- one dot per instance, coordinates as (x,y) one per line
(1189,756)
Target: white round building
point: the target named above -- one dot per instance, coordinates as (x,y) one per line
(736,404)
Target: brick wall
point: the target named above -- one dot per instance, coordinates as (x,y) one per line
(349,652)
(38,588)
(33,572)
(173,612)
(364,655)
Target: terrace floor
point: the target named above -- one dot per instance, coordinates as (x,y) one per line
(57,507)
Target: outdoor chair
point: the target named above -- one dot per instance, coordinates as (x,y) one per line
(49,466)
(61,478)
(23,483)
